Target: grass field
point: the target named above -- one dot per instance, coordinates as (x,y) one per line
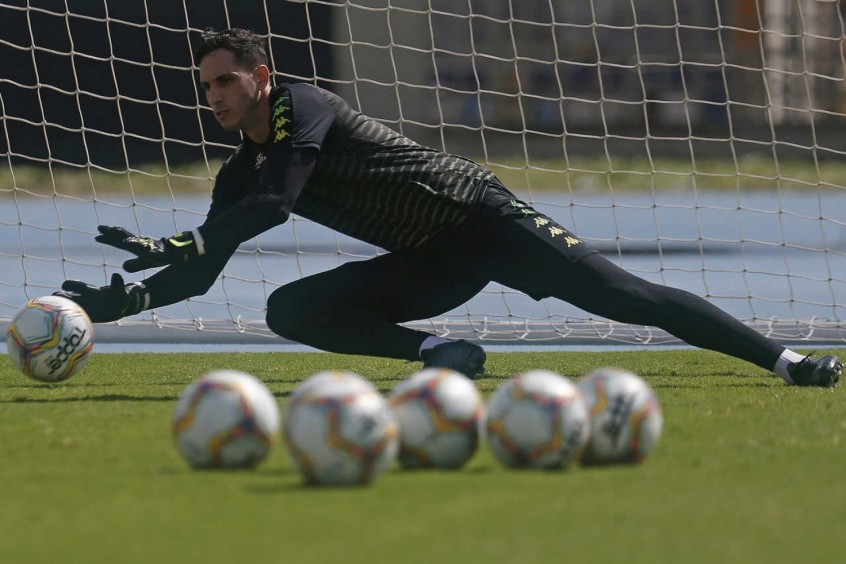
(747,470)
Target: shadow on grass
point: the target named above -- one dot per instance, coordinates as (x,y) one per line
(108,397)
(300,486)
(76,386)
(464,471)
(250,471)
(691,384)
(384,390)
(394,473)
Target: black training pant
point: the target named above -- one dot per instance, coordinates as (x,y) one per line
(356,307)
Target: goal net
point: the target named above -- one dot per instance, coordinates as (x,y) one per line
(696,144)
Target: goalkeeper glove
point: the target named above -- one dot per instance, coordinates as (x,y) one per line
(107,303)
(150,252)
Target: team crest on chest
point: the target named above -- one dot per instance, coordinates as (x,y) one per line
(260,158)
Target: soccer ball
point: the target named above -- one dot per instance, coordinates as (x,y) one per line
(440,416)
(225,419)
(339,430)
(50,339)
(537,419)
(625,415)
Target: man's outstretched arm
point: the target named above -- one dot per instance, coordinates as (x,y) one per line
(268,206)
(170,285)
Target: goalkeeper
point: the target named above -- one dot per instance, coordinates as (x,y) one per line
(449,225)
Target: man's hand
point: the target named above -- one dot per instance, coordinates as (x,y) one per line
(106,303)
(150,252)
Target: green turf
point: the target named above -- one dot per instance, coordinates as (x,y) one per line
(747,470)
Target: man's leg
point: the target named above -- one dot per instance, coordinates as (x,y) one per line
(356,308)
(616,294)
(605,289)
(531,253)
(549,261)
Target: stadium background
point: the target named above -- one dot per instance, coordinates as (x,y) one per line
(86,108)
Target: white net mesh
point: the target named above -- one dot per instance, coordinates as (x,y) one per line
(697,144)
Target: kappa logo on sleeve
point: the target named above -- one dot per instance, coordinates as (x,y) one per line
(280,118)
(522,208)
(555,230)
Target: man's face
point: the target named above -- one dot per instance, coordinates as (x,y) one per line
(232,91)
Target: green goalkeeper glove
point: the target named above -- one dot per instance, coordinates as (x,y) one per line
(150,252)
(107,303)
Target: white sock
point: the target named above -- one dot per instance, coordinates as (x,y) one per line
(787,357)
(432,341)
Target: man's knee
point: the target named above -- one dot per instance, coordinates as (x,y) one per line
(288,313)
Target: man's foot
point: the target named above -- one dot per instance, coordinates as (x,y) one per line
(461,356)
(824,372)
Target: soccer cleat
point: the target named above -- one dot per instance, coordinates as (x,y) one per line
(461,356)
(824,372)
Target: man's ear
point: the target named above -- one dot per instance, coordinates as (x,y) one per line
(262,75)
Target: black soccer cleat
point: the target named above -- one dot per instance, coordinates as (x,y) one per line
(823,372)
(461,356)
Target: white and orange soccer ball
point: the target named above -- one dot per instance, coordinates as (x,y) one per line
(225,419)
(50,339)
(537,419)
(626,417)
(339,430)
(440,417)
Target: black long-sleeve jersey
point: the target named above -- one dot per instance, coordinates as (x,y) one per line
(368,181)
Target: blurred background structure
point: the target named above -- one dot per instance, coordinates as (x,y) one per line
(759,76)
(705,136)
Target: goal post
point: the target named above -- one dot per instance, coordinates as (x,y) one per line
(696,144)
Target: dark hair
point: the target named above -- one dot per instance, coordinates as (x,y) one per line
(247,46)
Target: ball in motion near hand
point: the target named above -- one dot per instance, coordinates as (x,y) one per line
(50,339)
(225,419)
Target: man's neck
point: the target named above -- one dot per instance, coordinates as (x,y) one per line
(260,131)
